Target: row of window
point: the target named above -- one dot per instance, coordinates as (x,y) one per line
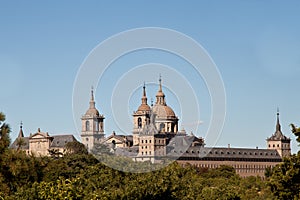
(157,141)
(283,145)
(145,153)
(230,159)
(233,153)
(240,168)
(146,141)
(88,126)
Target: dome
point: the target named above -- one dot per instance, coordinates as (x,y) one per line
(163,111)
(92,112)
(144,107)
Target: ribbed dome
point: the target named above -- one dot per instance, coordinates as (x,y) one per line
(144,107)
(163,111)
(92,112)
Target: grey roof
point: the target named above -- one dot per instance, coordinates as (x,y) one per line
(219,153)
(278,135)
(122,138)
(61,140)
(186,141)
(127,151)
(14,145)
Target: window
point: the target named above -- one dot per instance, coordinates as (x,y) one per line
(96,126)
(139,122)
(161,127)
(87,139)
(87,125)
(149,141)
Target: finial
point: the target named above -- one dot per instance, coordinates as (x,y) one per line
(160,88)
(92,93)
(151,102)
(144,89)
(144,97)
(278,127)
(21,131)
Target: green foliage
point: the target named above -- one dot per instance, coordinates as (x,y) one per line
(75,147)
(4,134)
(285,178)
(79,175)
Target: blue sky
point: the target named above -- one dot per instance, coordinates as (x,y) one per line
(255,45)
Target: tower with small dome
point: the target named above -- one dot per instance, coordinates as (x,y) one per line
(141,117)
(165,119)
(92,131)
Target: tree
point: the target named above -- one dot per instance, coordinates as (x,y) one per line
(284,178)
(75,147)
(4,133)
(296,131)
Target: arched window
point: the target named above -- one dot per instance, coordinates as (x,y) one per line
(139,122)
(87,125)
(161,127)
(96,126)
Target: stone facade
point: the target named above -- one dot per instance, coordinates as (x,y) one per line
(41,143)
(92,131)
(156,137)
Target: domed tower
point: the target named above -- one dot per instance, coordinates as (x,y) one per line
(279,141)
(92,131)
(165,118)
(141,117)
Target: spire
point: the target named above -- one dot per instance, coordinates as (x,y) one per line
(278,126)
(144,97)
(160,88)
(92,101)
(21,131)
(160,96)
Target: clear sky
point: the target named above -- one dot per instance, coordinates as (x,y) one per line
(255,45)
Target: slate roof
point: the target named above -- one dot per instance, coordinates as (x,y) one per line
(59,141)
(219,153)
(122,138)
(23,147)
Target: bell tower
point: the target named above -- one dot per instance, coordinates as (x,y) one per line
(92,123)
(141,117)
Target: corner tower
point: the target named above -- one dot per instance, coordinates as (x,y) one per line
(92,123)
(279,141)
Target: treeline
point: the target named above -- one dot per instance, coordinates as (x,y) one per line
(79,175)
